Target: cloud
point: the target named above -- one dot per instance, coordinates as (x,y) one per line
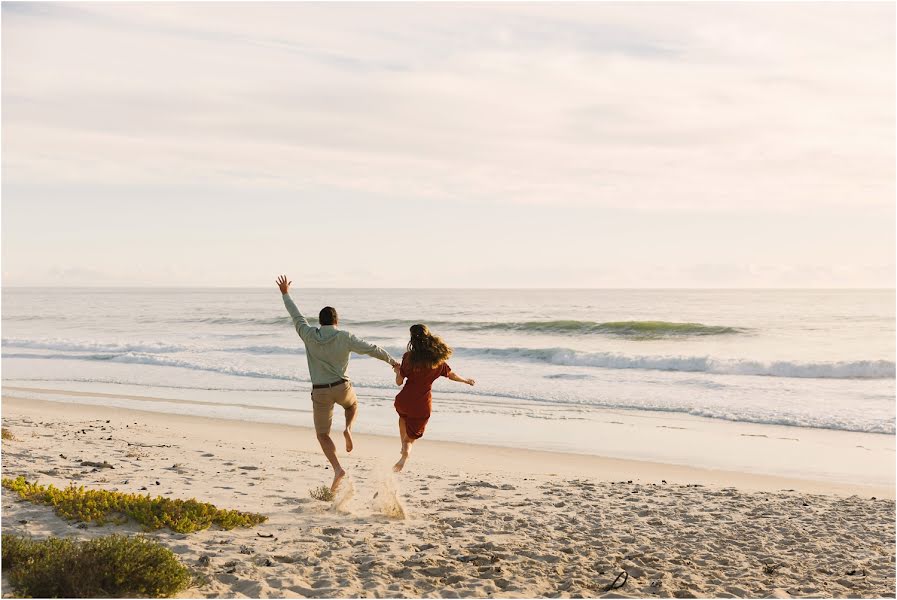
(582,108)
(597,105)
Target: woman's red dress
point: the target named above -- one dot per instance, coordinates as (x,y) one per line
(415,401)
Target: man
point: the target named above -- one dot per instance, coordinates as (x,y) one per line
(327,349)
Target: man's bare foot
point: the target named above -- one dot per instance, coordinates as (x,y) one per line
(337,479)
(348,436)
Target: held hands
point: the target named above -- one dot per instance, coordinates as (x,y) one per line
(396,368)
(283,284)
(470,382)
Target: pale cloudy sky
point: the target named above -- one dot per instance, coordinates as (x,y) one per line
(449,145)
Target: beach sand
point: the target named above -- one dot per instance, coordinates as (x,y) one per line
(462,521)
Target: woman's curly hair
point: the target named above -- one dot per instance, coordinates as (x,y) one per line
(425,349)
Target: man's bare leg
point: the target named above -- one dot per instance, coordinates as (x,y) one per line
(329,449)
(406,446)
(350,418)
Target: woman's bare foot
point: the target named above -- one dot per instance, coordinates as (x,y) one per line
(349,444)
(337,479)
(401,464)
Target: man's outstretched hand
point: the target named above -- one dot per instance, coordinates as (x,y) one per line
(283,284)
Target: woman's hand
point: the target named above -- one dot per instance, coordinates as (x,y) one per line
(455,377)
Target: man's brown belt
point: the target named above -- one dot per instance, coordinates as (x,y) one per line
(318,386)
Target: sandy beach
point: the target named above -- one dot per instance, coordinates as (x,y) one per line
(616,279)
(463,521)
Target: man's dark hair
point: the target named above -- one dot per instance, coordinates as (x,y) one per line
(328,316)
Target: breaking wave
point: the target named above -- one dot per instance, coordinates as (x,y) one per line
(153,353)
(862,369)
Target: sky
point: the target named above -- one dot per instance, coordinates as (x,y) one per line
(449,144)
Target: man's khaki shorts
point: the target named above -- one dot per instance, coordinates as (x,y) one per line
(323,399)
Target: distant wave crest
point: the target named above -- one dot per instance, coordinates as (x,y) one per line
(628,329)
(226,320)
(638,330)
(633,329)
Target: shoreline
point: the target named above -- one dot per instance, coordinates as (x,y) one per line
(473,458)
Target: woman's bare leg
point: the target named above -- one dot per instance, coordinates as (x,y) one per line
(406,446)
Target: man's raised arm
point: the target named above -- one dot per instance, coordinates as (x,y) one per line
(359,346)
(299,321)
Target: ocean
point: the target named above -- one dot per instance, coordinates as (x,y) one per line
(542,359)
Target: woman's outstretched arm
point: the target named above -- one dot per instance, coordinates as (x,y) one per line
(455,377)
(399,379)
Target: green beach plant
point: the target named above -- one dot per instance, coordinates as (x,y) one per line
(101,506)
(115,566)
(6,434)
(322,493)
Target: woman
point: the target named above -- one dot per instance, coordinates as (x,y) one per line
(421,365)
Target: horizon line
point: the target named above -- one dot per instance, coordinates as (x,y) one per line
(247,287)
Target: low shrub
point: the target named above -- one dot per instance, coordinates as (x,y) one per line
(6,434)
(322,493)
(113,566)
(100,506)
